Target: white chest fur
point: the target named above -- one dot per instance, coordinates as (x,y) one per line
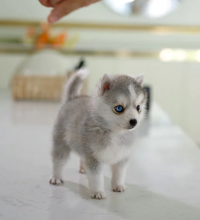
(116,150)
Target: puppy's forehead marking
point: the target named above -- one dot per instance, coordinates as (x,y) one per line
(132,92)
(122,99)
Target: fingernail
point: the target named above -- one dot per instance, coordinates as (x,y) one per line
(53,18)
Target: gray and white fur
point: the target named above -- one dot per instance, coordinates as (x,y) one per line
(91,127)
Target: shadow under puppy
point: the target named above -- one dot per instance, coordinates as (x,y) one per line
(100,129)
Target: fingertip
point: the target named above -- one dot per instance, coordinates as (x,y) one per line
(48,19)
(46,3)
(52,18)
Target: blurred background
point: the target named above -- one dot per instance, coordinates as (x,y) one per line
(161,40)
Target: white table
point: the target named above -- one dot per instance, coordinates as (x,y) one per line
(163,178)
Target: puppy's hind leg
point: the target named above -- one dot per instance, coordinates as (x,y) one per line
(60,155)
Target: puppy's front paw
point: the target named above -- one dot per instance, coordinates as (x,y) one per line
(98,195)
(120,188)
(56,181)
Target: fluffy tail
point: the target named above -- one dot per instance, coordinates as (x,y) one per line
(73,86)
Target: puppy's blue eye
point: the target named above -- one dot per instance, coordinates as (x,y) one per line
(119,109)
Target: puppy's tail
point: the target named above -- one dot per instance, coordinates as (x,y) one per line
(73,86)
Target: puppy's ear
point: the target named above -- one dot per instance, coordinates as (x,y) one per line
(140,79)
(105,83)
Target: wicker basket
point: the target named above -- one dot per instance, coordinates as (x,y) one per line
(33,79)
(40,87)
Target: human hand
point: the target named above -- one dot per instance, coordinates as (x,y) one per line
(62,8)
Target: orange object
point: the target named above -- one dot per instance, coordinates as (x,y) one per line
(30,32)
(42,40)
(59,40)
(45,38)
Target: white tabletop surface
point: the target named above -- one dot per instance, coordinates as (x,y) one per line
(163,178)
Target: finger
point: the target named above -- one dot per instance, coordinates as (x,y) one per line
(55,2)
(46,3)
(65,7)
(62,9)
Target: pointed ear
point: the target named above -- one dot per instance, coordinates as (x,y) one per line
(105,83)
(140,79)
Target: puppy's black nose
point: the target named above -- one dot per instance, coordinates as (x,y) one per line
(133,122)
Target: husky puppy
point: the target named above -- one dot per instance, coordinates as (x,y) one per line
(100,129)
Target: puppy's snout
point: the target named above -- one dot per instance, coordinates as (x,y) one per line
(133,122)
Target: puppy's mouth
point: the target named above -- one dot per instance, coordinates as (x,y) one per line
(131,127)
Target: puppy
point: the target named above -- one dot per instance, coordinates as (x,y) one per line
(100,129)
